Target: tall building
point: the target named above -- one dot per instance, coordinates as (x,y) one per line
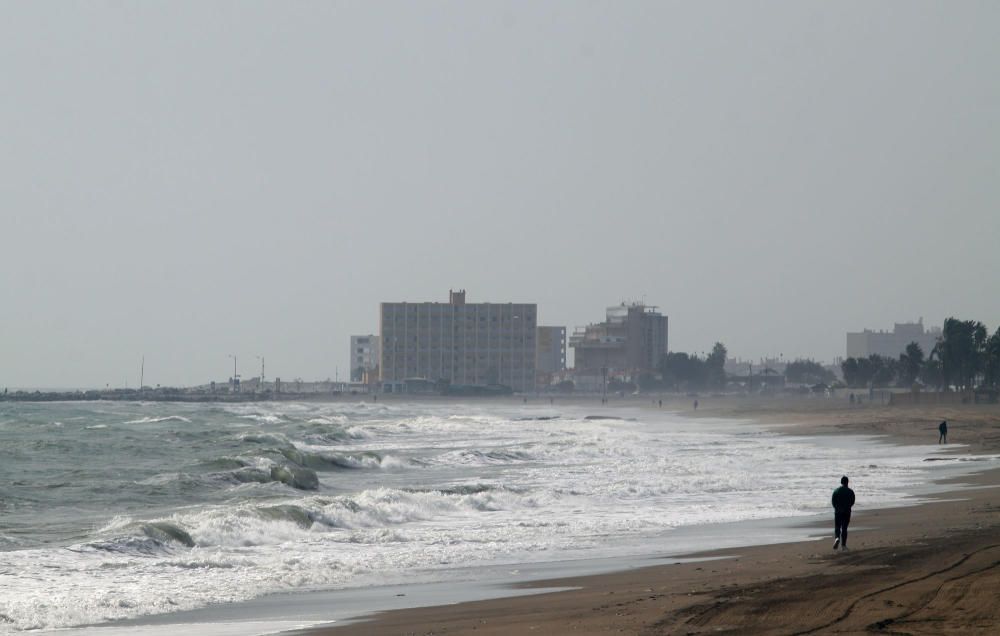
(459,343)
(364,356)
(631,340)
(890,344)
(550,352)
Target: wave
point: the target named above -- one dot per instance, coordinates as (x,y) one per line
(233,552)
(332,419)
(148,538)
(497,456)
(295,476)
(164,418)
(386,507)
(247,470)
(279,447)
(462,489)
(332,461)
(267,418)
(380,509)
(264,438)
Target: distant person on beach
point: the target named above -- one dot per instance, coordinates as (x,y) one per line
(943,432)
(661,403)
(852,398)
(696,405)
(843,500)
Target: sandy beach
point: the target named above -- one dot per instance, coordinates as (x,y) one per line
(926,569)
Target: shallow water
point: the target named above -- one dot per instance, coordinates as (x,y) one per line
(121,510)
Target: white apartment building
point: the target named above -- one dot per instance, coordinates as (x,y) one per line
(458,343)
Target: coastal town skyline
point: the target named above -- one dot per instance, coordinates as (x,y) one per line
(879,341)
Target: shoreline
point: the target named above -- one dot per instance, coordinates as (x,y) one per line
(798,587)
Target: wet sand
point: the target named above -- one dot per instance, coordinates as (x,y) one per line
(927,569)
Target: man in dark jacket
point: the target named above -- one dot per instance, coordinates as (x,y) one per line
(843,500)
(943,432)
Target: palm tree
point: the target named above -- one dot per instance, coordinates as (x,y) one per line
(910,364)
(991,366)
(961,352)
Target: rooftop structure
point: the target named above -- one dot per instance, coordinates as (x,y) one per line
(631,340)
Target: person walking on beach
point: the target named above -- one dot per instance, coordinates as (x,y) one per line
(843,500)
(943,432)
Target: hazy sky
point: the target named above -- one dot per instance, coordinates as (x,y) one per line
(192,180)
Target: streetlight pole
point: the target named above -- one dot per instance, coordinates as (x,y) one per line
(235,374)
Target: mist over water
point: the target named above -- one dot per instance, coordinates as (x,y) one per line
(115,510)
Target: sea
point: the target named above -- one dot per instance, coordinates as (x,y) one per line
(114,511)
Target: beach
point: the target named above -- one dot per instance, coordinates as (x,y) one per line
(925,569)
(434,516)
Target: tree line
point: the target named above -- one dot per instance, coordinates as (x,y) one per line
(687,371)
(965,357)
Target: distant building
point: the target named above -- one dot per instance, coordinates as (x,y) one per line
(458,343)
(631,340)
(550,352)
(364,356)
(892,343)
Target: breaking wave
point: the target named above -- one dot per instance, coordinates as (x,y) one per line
(153,420)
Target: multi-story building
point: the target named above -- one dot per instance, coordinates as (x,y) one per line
(550,352)
(458,343)
(631,340)
(364,356)
(892,343)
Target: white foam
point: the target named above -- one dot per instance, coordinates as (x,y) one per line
(154,420)
(481,488)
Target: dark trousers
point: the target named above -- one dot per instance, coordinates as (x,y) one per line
(840,521)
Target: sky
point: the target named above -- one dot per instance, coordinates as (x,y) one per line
(187,181)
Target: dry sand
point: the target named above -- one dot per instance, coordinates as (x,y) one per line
(928,569)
